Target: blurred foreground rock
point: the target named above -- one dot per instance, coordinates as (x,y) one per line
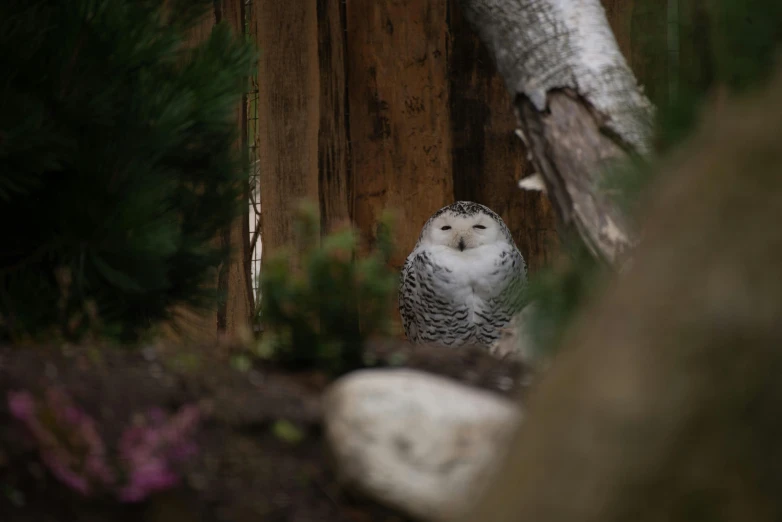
(416,442)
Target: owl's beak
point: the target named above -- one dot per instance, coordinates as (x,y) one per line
(461,244)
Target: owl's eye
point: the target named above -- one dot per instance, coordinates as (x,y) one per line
(446,227)
(480,227)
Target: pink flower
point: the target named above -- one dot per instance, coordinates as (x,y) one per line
(22,405)
(72,449)
(67,439)
(146,478)
(150,452)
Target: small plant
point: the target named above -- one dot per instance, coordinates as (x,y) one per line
(319,312)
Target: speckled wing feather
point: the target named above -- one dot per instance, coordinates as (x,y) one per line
(412,295)
(431,314)
(511,300)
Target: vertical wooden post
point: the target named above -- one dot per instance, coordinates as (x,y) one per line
(333,131)
(399,118)
(620,16)
(286,33)
(233,315)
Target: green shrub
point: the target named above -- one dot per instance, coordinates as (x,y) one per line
(321,312)
(118,163)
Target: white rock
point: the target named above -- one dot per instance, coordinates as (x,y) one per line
(414,441)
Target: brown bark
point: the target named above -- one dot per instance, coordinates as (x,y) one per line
(664,403)
(387,65)
(399,119)
(234,313)
(333,132)
(288,113)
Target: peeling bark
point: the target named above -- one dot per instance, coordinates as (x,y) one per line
(578,104)
(569,151)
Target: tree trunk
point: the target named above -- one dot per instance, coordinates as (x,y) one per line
(664,404)
(579,107)
(286,33)
(234,282)
(399,118)
(333,135)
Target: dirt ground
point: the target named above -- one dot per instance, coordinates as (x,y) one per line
(246,468)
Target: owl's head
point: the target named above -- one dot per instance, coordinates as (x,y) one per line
(464,225)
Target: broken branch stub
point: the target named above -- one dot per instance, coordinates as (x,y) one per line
(579,106)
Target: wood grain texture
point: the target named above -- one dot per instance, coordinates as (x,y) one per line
(286,33)
(488,158)
(399,118)
(234,281)
(334,131)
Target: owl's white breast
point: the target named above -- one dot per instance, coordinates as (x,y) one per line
(469,278)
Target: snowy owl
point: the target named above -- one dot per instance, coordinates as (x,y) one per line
(464,279)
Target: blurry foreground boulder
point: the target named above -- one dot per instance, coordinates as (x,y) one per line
(419,443)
